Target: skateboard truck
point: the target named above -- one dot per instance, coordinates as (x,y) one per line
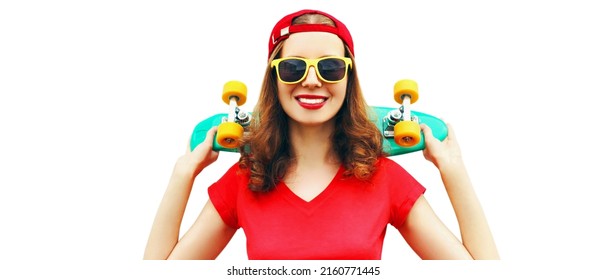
(231,129)
(240,117)
(392,118)
(399,123)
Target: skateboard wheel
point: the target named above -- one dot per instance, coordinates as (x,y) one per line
(407,133)
(235,89)
(405,87)
(229,134)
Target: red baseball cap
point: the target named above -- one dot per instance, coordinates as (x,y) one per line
(283,29)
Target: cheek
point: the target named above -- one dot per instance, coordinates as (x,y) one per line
(282,88)
(284,92)
(339,91)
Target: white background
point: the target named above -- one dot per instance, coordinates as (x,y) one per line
(98,99)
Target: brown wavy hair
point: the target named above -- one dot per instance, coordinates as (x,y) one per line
(266,153)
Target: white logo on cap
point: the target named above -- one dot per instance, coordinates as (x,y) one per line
(283,32)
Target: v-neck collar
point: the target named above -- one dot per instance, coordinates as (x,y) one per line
(309,206)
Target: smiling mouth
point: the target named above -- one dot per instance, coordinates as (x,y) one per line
(312,101)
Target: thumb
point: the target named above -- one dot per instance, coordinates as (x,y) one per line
(427,131)
(450,132)
(207,144)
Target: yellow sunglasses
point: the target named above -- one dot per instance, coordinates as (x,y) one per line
(330,69)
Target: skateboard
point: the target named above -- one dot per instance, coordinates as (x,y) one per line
(399,125)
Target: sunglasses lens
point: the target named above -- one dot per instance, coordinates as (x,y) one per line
(291,70)
(332,69)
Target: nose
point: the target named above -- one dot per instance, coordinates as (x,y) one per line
(311,79)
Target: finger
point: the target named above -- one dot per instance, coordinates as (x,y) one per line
(427,131)
(207,143)
(210,134)
(209,138)
(450,131)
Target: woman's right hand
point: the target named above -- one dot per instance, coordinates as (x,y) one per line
(441,153)
(194,161)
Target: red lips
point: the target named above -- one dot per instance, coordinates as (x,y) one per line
(311,102)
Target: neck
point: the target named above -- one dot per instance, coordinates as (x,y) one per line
(313,145)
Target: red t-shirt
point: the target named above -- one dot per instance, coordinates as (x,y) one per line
(346,221)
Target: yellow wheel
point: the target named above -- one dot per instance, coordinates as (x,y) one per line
(407,133)
(405,87)
(234,89)
(229,134)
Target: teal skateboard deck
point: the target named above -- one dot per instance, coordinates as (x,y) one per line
(399,126)
(439,130)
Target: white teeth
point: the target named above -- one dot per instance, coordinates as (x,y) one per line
(311,101)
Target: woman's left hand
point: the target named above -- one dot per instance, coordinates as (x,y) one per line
(441,153)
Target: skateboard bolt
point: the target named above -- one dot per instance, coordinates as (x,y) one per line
(395,115)
(242,115)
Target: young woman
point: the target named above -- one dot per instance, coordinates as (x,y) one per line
(314,183)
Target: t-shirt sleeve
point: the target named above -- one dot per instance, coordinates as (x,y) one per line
(224,195)
(404,192)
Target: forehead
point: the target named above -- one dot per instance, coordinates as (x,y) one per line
(313,44)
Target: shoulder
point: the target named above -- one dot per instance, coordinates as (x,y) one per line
(387,166)
(391,173)
(230,184)
(225,193)
(403,189)
(385,161)
(236,172)
(233,180)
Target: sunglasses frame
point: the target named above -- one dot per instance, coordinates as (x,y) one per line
(312,62)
